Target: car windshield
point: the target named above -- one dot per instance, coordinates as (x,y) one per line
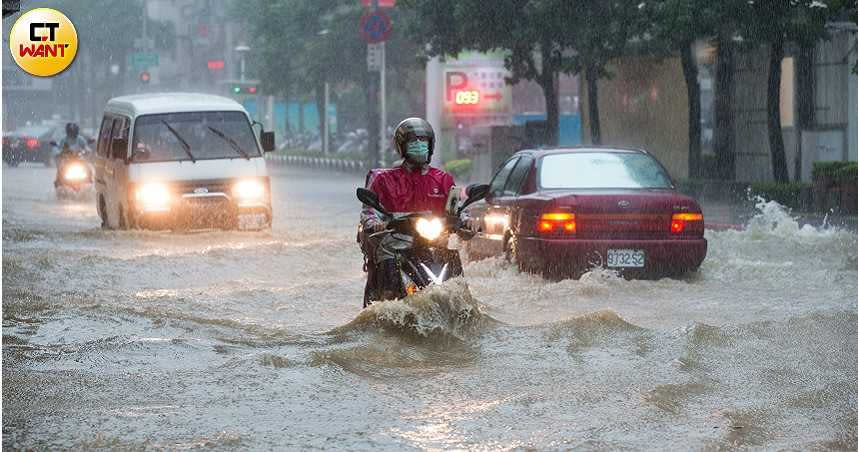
(193,136)
(602,170)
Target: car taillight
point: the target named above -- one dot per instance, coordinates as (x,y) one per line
(557,223)
(32,143)
(686,222)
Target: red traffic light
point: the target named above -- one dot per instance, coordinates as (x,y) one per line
(251,90)
(145,77)
(216,65)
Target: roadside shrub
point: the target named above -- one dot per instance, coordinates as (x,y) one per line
(827,169)
(460,169)
(847,173)
(788,194)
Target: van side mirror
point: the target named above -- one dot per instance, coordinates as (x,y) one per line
(267,139)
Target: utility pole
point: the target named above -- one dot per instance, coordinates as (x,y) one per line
(383,76)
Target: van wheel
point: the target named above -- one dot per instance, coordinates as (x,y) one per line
(102,213)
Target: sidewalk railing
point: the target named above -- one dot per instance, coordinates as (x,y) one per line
(317,162)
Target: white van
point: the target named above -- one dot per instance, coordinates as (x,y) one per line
(181,161)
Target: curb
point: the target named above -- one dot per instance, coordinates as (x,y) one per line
(317,162)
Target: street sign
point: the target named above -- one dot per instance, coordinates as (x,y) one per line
(143,60)
(374,57)
(375,27)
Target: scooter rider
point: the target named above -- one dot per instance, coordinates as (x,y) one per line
(413,186)
(70,143)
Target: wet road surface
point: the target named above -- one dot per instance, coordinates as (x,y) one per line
(256,340)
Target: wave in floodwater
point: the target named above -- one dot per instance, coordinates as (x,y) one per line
(448,312)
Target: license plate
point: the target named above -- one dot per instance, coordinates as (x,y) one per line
(626,258)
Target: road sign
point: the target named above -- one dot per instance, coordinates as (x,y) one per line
(374,57)
(143,60)
(375,27)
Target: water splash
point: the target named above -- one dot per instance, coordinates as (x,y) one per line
(447,311)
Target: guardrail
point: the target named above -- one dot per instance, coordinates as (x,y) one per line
(318,162)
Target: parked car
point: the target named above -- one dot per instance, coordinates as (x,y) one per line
(561,212)
(181,161)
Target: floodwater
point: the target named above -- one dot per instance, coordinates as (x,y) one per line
(231,340)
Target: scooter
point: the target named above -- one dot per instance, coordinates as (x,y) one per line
(420,243)
(74,175)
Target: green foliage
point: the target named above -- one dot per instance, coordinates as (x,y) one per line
(826,169)
(460,169)
(787,194)
(847,173)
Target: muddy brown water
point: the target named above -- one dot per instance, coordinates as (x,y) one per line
(231,340)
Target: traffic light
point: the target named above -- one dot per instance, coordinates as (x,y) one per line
(145,77)
(239,88)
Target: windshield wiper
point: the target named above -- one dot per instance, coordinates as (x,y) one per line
(231,142)
(185,145)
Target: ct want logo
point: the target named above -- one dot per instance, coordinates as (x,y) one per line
(43,42)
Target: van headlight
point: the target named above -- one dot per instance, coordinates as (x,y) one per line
(429,228)
(248,191)
(75,172)
(153,197)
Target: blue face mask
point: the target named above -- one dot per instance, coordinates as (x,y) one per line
(417,151)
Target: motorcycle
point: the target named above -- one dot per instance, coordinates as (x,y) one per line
(419,243)
(74,175)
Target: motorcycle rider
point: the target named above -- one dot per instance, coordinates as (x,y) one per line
(69,144)
(412,186)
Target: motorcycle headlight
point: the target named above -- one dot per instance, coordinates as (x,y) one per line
(75,172)
(154,197)
(249,190)
(429,228)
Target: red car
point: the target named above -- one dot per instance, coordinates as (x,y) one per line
(561,212)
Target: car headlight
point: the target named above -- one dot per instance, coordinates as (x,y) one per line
(429,229)
(75,172)
(248,190)
(154,197)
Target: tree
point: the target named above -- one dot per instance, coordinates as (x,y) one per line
(529,31)
(676,25)
(304,45)
(777,23)
(598,31)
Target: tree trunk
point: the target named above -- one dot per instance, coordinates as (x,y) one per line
(805,98)
(547,81)
(591,74)
(724,140)
(773,105)
(689,69)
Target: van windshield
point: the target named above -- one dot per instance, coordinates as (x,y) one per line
(193,136)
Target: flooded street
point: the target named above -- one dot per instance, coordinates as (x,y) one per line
(257,340)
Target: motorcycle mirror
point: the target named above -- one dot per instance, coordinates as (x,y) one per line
(371,199)
(475,192)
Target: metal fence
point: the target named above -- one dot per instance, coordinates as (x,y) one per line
(318,162)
